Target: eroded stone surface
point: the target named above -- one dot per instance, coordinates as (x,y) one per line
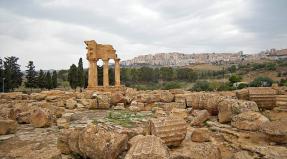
(172,130)
(147,147)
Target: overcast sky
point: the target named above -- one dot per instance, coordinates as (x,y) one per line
(51,32)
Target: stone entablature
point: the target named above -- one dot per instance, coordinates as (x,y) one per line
(105,52)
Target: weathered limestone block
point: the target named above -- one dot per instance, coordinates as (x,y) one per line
(172,130)
(104,101)
(89,103)
(276,131)
(243,155)
(63,123)
(166,96)
(138,106)
(92,142)
(119,107)
(62,142)
(181,113)
(170,106)
(281,102)
(41,118)
(147,147)
(231,107)
(12,96)
(212,102)
(180,98)
(200,135)
(134,108)
(177,91)
(160,113)
(147,98)
(208,101)
(8,127)
(196,150)
(252,121)
(117,97)
(192,100)
(200,116)
(265,97)
(38,96)
(24,117)
(95,143)
(71,103)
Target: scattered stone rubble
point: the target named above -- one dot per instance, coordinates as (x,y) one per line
(250,123)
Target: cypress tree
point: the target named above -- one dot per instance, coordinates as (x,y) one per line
(80,73)
(12,73)
(31,76)
(72,76)
(54,79)
(48,80)
(41,79)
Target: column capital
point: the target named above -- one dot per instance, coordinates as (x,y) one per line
(117,60)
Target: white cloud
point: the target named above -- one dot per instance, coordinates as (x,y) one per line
(51,32)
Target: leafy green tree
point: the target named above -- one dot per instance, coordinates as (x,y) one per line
(145,74)
(261,82)
(31,76)
(233,69)
(12,73)
(54,79)
(48,81)
(80,73)
(166,73)
(201,86)
(234,78)
(72,76)
(156,75)
(41,79)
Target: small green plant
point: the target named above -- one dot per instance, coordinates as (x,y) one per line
(125,118)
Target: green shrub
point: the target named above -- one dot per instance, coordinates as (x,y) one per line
(225,87)
(261,82)
(235,78)
(201,86)
(171,85)
(242,85)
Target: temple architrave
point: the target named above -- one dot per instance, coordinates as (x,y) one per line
(105,52)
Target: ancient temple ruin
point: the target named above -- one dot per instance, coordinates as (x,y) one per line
(105,52)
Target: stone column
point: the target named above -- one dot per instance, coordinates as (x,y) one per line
(117,73)
(106,73)
(92,74)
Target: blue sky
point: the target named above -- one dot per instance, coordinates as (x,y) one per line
(51,32)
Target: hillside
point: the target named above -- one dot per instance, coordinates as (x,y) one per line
(175,59)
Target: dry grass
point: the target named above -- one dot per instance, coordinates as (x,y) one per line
(205,67)
(252,75)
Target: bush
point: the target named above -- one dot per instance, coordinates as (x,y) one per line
(235,78)
(201,86)
(242,85)
(171,85)
(225,87)
(261,82)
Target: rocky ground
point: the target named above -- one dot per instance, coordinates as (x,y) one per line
(172,124)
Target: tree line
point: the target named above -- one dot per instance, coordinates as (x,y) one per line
(11,76)
(154,75)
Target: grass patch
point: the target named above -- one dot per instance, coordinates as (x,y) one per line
(125,118)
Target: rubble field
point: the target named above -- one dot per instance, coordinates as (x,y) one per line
(162,124)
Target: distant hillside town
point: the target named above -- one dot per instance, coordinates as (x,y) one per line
(175,59)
